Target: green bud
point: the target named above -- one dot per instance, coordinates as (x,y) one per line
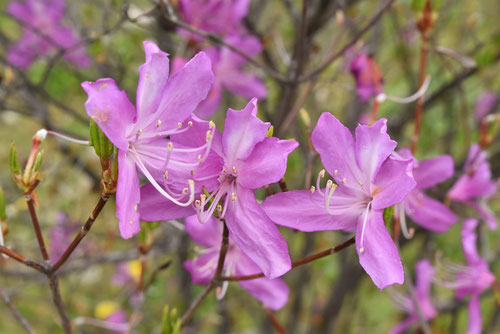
(388,213)
(3,205)
(304,116)
(13,163)
(270,131)
(114,168)
(102,145)
(38,161)
(166,328)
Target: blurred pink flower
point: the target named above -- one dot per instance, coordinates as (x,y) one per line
(368,76)
(485,104)
(43,32)
(272,293)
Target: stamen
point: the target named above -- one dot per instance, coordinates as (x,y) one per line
(365,219)
(313,189)
(408,234)
(158,124)
(335,172)
(330,189)
(321,174)
(165,175)
(211,125)
(190,123)
(139,132)
(344,180)
(411,98)
(233,197)
(78,141)
(179,125)
(234,170)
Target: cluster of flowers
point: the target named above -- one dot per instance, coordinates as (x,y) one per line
(196,172)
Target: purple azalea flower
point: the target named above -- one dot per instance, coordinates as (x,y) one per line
(423,210)
(472,279)
(221,17)
(368,76)
(164,108)
(485,104)
(118,321)
(272,293)
(424,275)
(369,180)
(227,68)
(43,32)
(244,159)
(475,187)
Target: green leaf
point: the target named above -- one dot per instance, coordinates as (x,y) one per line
(13,163)
(388,213)
(103,147)
(3,205)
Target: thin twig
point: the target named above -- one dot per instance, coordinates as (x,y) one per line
(83,232)
(21,259)
(56,298)
(186,317)
(298,263)
(274,321)
(36,225)
(354,40)
(15,312)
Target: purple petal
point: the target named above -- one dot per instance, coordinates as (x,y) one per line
(485,103)
(429,213)
(209,106)
(266,164)
(245,85)
(425,273)
(394,181)
(485,212)
(373,146)
(469,239)
(20,10)
(335,145)
(475,323)
(128,196)
(208,234)
(23,52)
(403,325)
(380,257)
(155,207)
(433,171)
(242,131)
(111,109)
(185,90)
(272,293)
(153,79)
(301,210)
(256,234)
(202,268)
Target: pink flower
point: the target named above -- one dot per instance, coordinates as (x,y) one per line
(272,293)
(43,32)
(368,76)
(244,159)
(472,279)
(475,187)
(164,108)
(221,17)
(423,210)
(369,180)
(425,273)
(485,104)
(229,74)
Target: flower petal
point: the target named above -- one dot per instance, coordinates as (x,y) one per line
(242,131)
(202,268)
(393,182)
(469,239)
(244,84)
(184,91)
(208,234)
(380,257)
(111,109)
(128,196)
(485,212)
(272,293)
(266,164)
(155,207)
(429,213)
(424,273)
(335,145)
(475,323)
(256,235)
(153,78)
(373,146)
(433,171)
(403,325)
(301,210)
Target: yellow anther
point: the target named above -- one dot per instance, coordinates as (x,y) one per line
(165,175)
(179,125)
(197,202)
(360,183)
(219,207)
(199,158)
(234,169)
(130,222)
(211,125)
(158,124)
(322,173)
(185,191)
(313,189)
(209,134)
(362,250)
(190,123)
(136,206)
(344,180)
(139,132)
(233,197)
(170,146)
(335,172)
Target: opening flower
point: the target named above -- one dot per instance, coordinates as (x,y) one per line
(369,179)
(272,293)
(164,107)
(244,160)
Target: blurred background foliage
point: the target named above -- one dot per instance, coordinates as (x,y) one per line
(330,295)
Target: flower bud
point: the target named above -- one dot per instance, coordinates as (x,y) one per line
(102,145)
(270,131)
(38,161)
(13,163)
